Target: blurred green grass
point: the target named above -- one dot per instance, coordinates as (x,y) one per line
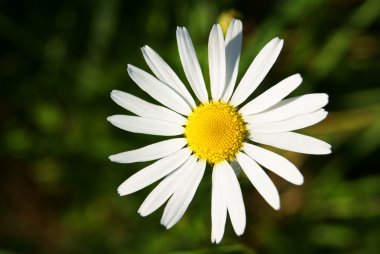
(58,64)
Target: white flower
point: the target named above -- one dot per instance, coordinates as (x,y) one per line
(217,130)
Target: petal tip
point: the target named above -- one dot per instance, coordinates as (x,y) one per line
(239,233)
(236,20)
(142,212)
(215,240)
(299,180)
(120,192)
(162,222)
(275,204)
(240,230)
(123,190)
(115,92)
(298,76)
(169,225)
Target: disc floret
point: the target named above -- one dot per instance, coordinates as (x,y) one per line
(215,131)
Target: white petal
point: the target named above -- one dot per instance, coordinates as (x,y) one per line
(154,172)
(182,197)
(150,152)
(145,125)
(257,71)
(291,124)
(292,141)
(275,163)
(190,64)
(166,188)
(163,71)
(146,109)
(233,43)
(290,108)
(271,96)
(158,90)
(217,62)
(233,198)
(236,167)
(218,206)
(260,180)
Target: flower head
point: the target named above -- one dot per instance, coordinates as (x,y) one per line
(220,129)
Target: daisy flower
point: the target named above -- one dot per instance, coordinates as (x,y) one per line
(220,128)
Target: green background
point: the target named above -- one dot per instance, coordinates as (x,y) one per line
(60,60)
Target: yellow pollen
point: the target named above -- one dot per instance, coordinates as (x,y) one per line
(215,132)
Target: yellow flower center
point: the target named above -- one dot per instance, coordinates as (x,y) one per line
(215,131)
